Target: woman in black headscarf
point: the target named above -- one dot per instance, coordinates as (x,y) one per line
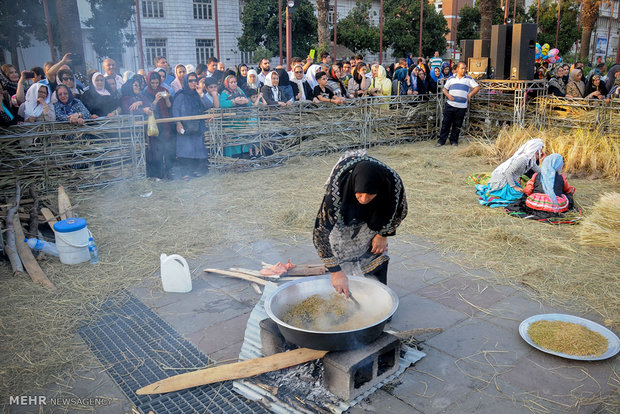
(364,203)
(191,152)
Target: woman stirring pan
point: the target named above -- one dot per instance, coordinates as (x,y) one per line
(363,205)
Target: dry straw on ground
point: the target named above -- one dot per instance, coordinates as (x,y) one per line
(602,226)
(586,153)
(234,210)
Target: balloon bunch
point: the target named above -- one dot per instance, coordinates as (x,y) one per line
(543,54)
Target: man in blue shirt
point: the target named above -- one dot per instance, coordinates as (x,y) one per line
(458,89)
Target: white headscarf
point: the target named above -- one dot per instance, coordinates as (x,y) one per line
(103,91)
(33,107)
(311,75)
(275,91)
(253,85)
(127,75)
(190,68)
(299,82)
(527,151)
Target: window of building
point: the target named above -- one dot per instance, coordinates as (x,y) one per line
(153,9)
(203,10)
(204,50)
(154,47)
(247,57)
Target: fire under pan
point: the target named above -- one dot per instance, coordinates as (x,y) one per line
(138,348)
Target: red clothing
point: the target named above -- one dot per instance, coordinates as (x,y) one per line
(537,199)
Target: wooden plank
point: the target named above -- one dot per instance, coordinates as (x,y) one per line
(238,275)
(252,272)
(49,217)
(243,369)
(30,263)
(256,288)
(64,205)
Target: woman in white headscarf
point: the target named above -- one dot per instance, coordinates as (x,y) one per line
(37,106)
(505,187)
(301,88)
(252,82)
(311,75)
(180,71)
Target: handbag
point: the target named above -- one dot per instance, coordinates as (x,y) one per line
(151,126)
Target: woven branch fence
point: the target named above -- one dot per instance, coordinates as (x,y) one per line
(112,149)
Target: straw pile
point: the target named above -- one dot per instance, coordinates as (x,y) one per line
(235,210)
(601,228)
(585,152)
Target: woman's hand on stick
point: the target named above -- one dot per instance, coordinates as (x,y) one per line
(340,283)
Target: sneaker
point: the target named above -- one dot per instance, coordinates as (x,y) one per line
(456,144)
(439,145)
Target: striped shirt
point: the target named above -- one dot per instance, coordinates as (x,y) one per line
(435,62)
(459,88)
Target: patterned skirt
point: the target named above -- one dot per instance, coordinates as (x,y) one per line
(542,202)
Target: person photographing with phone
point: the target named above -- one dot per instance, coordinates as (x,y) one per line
(364,203)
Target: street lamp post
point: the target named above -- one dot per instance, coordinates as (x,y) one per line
(381,32)
(289,34)
(335,29)
(421,22)
(280,28)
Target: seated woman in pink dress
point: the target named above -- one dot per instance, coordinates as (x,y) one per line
(548,192)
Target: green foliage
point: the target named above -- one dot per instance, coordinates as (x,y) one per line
(356,32)
(469,24)
(22,20)
(260,27)
(261,53)
(569,31)
(402,26)
(109,18)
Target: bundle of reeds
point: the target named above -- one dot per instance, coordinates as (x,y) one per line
(586,152)
(601,228)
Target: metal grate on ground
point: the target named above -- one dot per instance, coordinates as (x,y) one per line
(137,348)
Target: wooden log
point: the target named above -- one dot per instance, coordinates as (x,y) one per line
(243,369)
(64,205)
(34,212)
(11,246)
(30,263)
(256,288)
(238,276)
(49,217)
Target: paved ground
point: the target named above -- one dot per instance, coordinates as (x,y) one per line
(478,364)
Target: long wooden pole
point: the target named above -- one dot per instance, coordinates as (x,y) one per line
(456,22)
(537,13)
(335,29)
(421,23)
(618,47)
(506,7)
(289,39)
(280,27)
(217,30)
(557,27)
(381,32)
(139,29)
(514,13)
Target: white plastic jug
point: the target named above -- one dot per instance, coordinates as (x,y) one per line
(175,275)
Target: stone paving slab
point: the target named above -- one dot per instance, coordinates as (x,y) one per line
(464,294)
(478,364)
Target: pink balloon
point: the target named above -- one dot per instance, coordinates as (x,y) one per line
(553,52)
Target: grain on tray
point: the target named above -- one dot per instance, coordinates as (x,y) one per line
(568,338)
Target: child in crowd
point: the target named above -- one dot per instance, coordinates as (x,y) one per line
(322,93)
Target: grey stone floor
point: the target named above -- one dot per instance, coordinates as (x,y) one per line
(478,364)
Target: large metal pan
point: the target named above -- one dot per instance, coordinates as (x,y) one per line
(377,303)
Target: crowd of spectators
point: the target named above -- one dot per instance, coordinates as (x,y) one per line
(55,93)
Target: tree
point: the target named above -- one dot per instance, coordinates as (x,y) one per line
(322,10)
(260,27)
(21,21)
(469,24)
(110,17)
(402,27)
(547,23)
(71,34)
(356,32)
(589,16)
(487,9)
